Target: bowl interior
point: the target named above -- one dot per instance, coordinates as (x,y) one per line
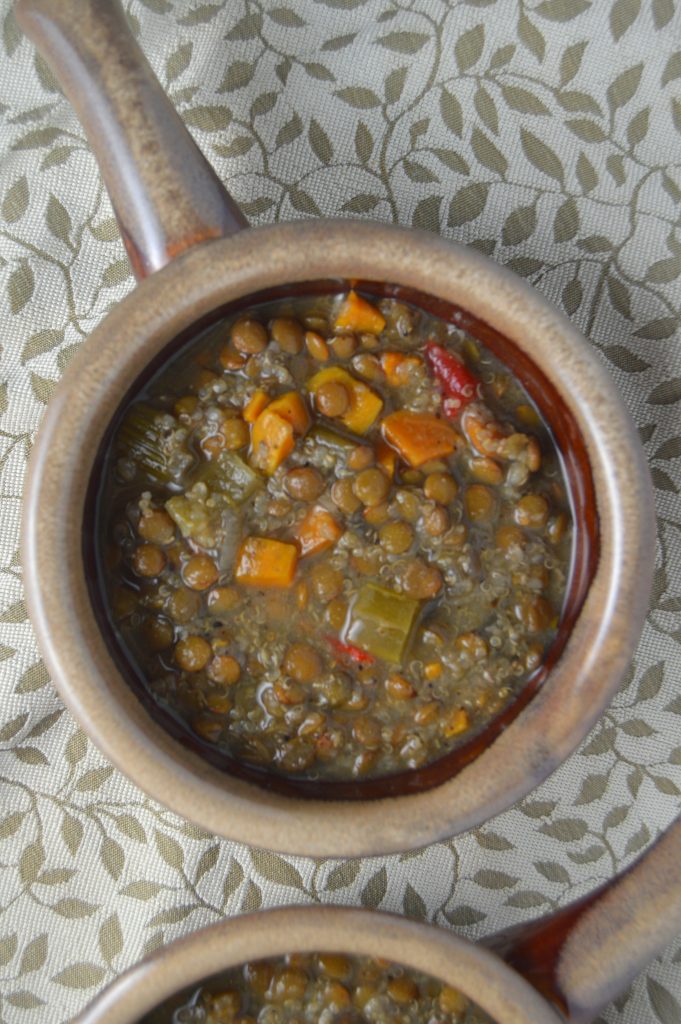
(167,1011)
(573,454)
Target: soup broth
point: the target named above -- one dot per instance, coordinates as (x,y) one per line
(337,537)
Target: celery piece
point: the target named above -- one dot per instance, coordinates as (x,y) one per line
(381,622)
(230,476)
(140,438)
(237,480)
(195,517)
(329,438)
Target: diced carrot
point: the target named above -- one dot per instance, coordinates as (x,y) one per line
(386,457)
(356,314)
(455,722)
(419,436)
(255,405)
(318,531)
(397,366)
(272,441)
(291,407)
(365,404)
(391,361)
(262,562)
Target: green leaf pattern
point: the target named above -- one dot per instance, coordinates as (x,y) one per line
(544,133)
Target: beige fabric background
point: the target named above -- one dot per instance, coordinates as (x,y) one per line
(545,133)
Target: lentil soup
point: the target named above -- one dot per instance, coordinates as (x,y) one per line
(327,988)
(337,538)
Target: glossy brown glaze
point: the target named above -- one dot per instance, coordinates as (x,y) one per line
(572,450)
(165,194)
(534,949)
(582,956)
(563,967)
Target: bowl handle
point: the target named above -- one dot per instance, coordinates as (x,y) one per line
(165,194)
(585,955)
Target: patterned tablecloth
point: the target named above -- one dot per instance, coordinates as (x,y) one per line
(545,133)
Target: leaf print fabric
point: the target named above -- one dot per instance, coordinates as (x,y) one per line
(544,133)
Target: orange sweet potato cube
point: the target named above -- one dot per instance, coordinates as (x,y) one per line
(419,436)
(262,562)
(291,407)
(255,405)
(386,457)
(391,362)
(318,531)
(397,367)
(356,314)
(271,441)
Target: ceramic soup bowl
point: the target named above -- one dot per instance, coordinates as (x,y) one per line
(195,261)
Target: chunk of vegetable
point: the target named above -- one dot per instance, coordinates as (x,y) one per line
(457,721)
(350,651)
(356,314)
(419,436)
(255,405)
(230,476)
(365,404)
(386,457)
(272,434)
(391,362)
(291,407)
(262,562)
(272,441)
(492,440)
(195,519)
(381,622)
(140,438)
(318,531)
(339,444)
(459,385)
(397,367)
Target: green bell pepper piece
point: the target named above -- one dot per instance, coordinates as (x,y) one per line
(328,438)
(381,622)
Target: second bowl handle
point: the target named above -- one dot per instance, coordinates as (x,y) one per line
(587,953)
(165,194)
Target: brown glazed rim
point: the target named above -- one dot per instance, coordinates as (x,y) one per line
(165,306)
(584,556)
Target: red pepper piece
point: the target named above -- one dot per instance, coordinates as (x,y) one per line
(350,651)
(459,385)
